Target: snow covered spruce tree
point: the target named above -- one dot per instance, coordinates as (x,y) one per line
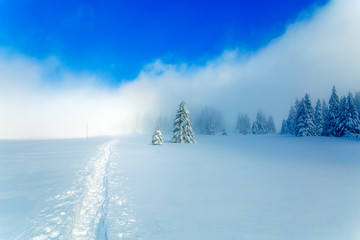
(319,122)
(349,123)
(259,125)
(183,132)
(157,138)
(305,118)
(270,125)
(243,124)
(332,115)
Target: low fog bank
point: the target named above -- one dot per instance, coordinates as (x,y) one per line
(313,55)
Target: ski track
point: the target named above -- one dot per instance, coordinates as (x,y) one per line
(81,213)
(93,206)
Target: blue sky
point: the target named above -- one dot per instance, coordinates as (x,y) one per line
(115,39)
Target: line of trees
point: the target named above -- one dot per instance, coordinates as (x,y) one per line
(338,118)
(260,126)
(210,121)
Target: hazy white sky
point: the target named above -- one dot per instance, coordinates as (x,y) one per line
(312,56)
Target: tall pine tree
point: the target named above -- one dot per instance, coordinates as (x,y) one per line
(305,118)
(183,132)
(349,123)
(332,115)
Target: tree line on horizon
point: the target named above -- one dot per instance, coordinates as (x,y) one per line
(211,121)
(338,118)
(261,126)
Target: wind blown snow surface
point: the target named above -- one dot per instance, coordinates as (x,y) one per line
(223,187)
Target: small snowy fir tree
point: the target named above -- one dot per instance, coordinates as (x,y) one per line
(183,132)
(243,124)
(319,122)
(332,114)
(270,125)
(284,128)
(305,118)
(259,125)
(157,138)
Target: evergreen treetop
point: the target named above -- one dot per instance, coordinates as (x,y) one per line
(332,114)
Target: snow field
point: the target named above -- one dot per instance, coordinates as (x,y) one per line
(223,187)
(244,187)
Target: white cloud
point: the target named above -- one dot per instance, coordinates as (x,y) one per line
(311,56)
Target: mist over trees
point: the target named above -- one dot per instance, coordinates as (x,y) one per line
(243,124)
(209,121)
(270,125)
(338,118)
(260,126)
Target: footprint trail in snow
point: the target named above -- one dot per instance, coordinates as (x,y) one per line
(95,201)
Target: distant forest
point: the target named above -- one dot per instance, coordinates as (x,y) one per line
(338,118)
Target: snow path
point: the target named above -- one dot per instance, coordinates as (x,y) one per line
(80,212)
(92,209)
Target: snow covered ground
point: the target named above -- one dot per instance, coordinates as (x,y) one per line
(223,187)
